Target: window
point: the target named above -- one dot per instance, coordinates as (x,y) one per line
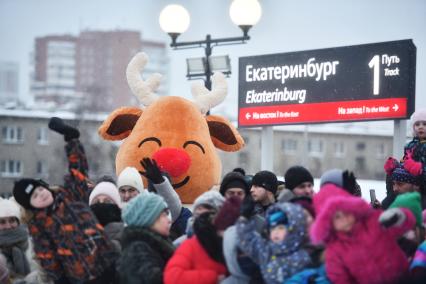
(380,151)
(12,168)
(42,136)
(42,168)
(315,147)
(289,146)
(12,134)
(360,146)
(339,149)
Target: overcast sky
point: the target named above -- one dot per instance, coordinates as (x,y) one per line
(285,26)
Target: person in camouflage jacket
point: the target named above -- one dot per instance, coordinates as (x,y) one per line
(69,242)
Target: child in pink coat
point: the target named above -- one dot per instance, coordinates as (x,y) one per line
(361,242)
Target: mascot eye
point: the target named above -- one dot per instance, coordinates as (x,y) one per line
(154,139)
(194,143)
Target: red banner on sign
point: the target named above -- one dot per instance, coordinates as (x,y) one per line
(324,112)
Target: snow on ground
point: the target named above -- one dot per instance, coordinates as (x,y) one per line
(366,185)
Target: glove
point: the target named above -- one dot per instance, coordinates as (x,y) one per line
(390,164)
(413,167)
(152,171)
(392,217)
(247,207)
(349,182)
(56,124)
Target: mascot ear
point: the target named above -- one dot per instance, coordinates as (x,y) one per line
(223,134)
(119,123)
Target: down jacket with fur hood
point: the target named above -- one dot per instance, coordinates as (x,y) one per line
(370,252)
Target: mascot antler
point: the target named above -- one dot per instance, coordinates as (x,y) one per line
(206,99)
(143,90)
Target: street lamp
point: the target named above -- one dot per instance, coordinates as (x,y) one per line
(174,20)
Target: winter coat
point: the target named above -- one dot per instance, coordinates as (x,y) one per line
(230,251)
(418,148)
(370,252)
(144,256)
(277,261)
(68,240)
(310,275)
(180,224)
(14,246)
(114,233)
(192,264)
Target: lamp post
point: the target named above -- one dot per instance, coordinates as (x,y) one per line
(175,20)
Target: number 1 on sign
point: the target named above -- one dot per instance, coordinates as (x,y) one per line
(375,63)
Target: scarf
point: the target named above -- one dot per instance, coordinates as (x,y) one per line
(13,244)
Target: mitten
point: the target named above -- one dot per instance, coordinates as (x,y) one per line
(349,182)
(392,217)
(152,171)
(247,207)
(390,164)
(413,167)
(58,125)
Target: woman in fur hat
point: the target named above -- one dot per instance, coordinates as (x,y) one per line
(69,243)
(13,239)
(361,242)
(146,247)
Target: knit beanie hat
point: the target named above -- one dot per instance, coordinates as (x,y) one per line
(402,175)
(130,177)
(211,198)
(9,208)
(106,188)
(143,210)
(228,214)
(334,176)
(267,180)
(23,189)
(418,115)
(411,201)
(297,175)
(234,180)
(275,218)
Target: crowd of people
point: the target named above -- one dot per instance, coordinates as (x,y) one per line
(250,229)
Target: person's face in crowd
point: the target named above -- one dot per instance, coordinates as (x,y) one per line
(235,191)
(203,208)
(304,189)
(163,223)
(102,198)
(41,198)
(259,194)
(400,187)
(343,222)
(277,234)
(127,193)
(7,223)
(420,129)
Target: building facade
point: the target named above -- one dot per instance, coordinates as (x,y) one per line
(88,71)
(9,82)
(30,149)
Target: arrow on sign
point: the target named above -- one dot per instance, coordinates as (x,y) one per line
(395,107)
(248,115)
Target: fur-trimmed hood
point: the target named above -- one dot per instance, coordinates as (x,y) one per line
(327,202)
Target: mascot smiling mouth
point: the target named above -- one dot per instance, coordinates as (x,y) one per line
(180,184)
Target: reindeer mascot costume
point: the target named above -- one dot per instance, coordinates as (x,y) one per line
(173,131)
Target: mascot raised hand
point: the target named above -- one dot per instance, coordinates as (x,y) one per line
(173,131)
